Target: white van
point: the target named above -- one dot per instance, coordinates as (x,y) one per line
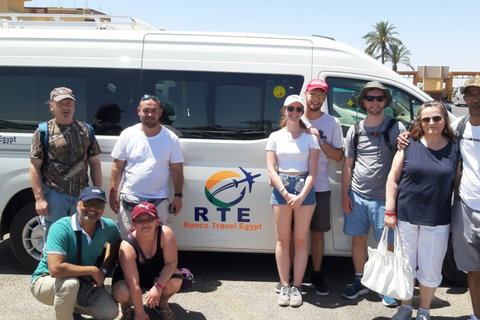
(221,92)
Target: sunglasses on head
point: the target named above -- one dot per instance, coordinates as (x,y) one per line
(149,96)
(291,108)
(90,203)
(372,98)
(435,119)
(142,221)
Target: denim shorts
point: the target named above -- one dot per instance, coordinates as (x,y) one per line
(278,199)
(366,213)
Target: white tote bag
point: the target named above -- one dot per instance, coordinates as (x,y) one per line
(389,273)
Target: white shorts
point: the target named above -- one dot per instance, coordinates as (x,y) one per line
(426,247)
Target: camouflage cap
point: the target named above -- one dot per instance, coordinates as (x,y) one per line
(473,81)
(58,94)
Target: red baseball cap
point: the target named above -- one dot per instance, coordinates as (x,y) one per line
(144,207)
(317,83)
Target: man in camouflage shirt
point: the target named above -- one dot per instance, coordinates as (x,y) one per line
(58,171)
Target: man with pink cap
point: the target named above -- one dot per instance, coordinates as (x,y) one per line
(329,135)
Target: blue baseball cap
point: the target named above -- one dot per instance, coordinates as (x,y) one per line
(92,193)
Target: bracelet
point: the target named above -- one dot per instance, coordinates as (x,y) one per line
(300,197)
(113,191)
(140,315)
(281,190)
(103,270)
(159,285)
(390,213)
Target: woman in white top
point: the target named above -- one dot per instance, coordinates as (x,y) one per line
(292,158)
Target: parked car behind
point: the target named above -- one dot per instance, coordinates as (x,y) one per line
(458,96)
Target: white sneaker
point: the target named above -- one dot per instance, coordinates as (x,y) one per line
(295,296)
(284,296)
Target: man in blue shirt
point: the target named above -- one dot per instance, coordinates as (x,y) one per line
(55,281)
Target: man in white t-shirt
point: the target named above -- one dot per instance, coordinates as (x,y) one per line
(329,135)
(466,210)
(144,156)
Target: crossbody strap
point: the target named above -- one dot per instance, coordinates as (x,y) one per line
(79,247)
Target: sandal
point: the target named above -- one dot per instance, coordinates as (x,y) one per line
(166,314)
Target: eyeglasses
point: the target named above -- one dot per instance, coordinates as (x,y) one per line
(472,95)
(290,109)
(372,98)
(317,94)
(149,96)
(90,204)
(435,119)
(142,221)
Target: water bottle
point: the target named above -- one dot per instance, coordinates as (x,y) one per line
(299,186)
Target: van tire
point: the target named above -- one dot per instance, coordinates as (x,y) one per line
(449,267)
(26,236)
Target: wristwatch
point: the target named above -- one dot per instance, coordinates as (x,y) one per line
(178,195)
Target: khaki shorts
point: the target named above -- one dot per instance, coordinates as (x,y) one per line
(466,236)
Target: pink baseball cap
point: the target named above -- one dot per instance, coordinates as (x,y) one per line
(317,83)
(144,207)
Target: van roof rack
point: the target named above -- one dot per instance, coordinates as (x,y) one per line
(80,21)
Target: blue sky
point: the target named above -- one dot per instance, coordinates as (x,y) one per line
(436,32)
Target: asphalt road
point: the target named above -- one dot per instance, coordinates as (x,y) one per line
(240,286)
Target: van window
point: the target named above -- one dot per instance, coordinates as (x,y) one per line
(219,105)
(342,102)
(196,104)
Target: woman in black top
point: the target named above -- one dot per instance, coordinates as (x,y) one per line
(147,260)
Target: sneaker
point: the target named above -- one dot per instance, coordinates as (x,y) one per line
(473,317)
(295,296)
(318,284)
(388,301)
(423,315)
(354,290)
(284,296)
(278,287)
(403,313)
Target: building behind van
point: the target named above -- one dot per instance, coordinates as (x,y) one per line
(221,93)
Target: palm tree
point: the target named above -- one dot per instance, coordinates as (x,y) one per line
(398,54)
(380,39)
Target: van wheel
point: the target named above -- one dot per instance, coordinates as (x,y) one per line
(26,236)
(449,267)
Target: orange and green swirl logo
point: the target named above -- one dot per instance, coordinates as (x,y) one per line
(224,188)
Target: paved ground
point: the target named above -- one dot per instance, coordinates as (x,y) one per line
(237,286)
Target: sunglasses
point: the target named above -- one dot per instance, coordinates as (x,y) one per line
(149,96)
(435,119)
(290,109)
(90,204)
(142,221)
(372,98)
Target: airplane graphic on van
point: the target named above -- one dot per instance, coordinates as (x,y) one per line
(221,193)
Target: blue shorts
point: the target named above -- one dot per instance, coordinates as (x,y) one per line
(278,199)
(366,213)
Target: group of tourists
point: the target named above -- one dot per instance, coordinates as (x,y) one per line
(390,178)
